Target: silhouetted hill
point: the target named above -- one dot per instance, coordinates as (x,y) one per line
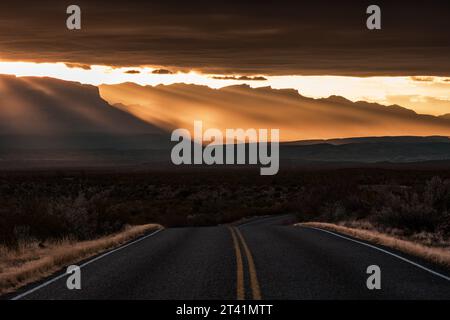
(399,139)
(46,113)
(376,151)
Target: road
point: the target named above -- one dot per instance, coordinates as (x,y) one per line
(259,259)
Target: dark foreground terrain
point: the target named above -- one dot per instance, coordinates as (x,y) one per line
(84,204)
(200,255)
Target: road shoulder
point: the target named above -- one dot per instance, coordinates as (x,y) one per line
(28,267)
(436,256)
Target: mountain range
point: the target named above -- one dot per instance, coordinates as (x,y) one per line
(297,117)
(49,120)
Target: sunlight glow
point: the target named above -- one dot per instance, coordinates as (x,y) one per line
(423,94)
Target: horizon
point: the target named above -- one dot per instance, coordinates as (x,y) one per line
(32,102)
(422,94)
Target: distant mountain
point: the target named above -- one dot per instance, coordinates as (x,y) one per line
(387,150)
(298,117)
(54,123)
(49,113)
(399,139)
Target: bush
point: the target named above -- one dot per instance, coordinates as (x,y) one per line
(87,205)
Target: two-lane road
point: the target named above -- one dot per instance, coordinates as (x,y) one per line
(260,259)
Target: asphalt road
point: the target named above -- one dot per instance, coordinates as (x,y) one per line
(259,259)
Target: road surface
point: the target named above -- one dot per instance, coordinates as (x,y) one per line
(259,259)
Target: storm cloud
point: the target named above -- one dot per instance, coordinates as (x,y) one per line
(235,37)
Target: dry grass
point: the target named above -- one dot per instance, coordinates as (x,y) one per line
(32,262)
(435,255)
(425,238)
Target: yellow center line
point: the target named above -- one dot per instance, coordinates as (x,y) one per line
(252,270)
(240,268)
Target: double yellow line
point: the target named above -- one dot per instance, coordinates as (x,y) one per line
(254,284)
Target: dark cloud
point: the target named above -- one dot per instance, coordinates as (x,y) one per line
(162,71)
(132,71)
(78,65)
(235,37)
(422,79)
(246,78)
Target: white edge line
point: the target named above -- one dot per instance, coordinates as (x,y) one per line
(20,296)
(384,251)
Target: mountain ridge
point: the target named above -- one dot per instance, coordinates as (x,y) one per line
(35,105)
(78,118)
(298,117)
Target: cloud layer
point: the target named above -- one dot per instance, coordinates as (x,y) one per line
(255,37)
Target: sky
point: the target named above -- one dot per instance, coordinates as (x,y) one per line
(320,48)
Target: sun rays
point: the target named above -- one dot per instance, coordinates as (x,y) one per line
(423,94)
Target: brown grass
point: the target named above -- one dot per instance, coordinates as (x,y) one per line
(31,262)
(440,256)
